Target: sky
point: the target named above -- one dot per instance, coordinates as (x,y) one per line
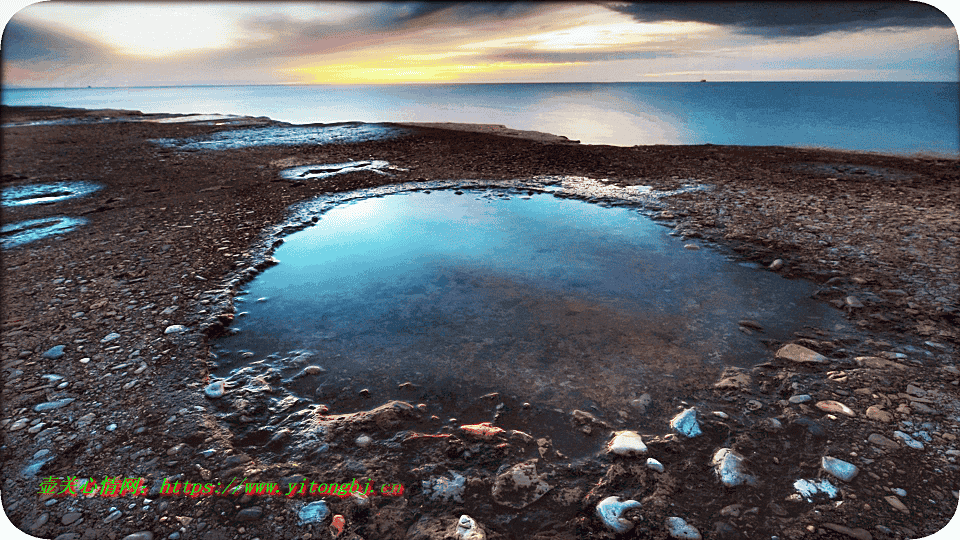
(79,44)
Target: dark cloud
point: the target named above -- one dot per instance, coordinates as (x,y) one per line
(31,42)
(790,19)
(526,56)
(406,13)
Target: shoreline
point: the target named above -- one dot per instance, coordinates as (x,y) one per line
(154,236)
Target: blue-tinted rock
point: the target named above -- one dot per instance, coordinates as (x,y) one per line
(54,352)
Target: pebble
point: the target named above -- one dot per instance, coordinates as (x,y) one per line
(678,528)
(627,443)
(467,529)
(249,514)
(112,516)
(610,511)
(899,491)
(835,407)
(19,424)
(895,502)
(484,430)
(883,442)
(314,512)
(642,402)
(654,464)
(859,534)
(215,389)
(110,337)
(142,535)
(49,405)
(175,329)
(874,412)
(908,440)
(800,398)
(692,247)
(686,423)
(839,468)
(363,440)
(853,302)
(800,354)
(728,466)
(776,264)
(70,517)
(54,352)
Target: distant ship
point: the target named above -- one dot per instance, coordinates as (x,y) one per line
(703,80)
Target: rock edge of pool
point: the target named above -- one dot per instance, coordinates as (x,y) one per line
(107,332)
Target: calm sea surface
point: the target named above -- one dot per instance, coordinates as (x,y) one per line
(885,117)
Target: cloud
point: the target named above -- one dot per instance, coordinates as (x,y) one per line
(33,42)
(790,19)
(562,57)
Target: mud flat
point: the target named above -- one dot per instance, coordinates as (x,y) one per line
(109,333)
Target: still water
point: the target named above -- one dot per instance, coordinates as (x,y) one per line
(557,302)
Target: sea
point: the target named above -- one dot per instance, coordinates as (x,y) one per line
(904,118)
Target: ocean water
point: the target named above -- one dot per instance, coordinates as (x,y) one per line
(887,117)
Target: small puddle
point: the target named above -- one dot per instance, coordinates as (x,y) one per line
(313,172)
(546,300)
(23,232)
(285,135)
(27,194)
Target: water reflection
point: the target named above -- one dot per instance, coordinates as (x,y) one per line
(24,232)
(27,194)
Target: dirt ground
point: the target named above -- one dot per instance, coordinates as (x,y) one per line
(173,231)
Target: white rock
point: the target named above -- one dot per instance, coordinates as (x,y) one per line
(809,488)
(610,511)
(445,488)
(678,528)
(175,329)
(215,389)
(467,529)
(110,337)
(686,423)
(729,468)
(800,354)
(654,464)
(363,440)
(627,443)
(776,264)
(519,486)
(839,468)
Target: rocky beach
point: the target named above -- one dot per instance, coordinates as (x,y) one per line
(109,325)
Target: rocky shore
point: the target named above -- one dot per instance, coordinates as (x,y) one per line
(107,328)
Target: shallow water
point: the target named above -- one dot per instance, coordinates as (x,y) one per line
(556,302)
(285,135)
(326,170)
(24,232)
(27,194)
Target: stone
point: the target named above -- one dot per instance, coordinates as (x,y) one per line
(733,379)
(141,535)
(610,511)
(363,440)
(519,486)
(809,488)
(110,337)
(314,512)
(654,465)
(70,517)
(800,354)
(249,514)
(444,488)
(915,391)
(800,398)
(874,412)
(831,406)
(113,516)
(883,442)
(859,534)
(776,264)
(483,430)
(840,469)
(50,405)
(54,352)
(642,402)
(691,247)
(175,329)
(749,323)
(627,443)
(728,466)
(468,529)
(215,389)
(678,528)
(853,301)
(895,502)
(922,408)
(686,423)
(908,440)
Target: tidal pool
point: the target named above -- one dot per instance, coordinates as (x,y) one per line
(285,135)
(23,232)
(27,194)
(556,302)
